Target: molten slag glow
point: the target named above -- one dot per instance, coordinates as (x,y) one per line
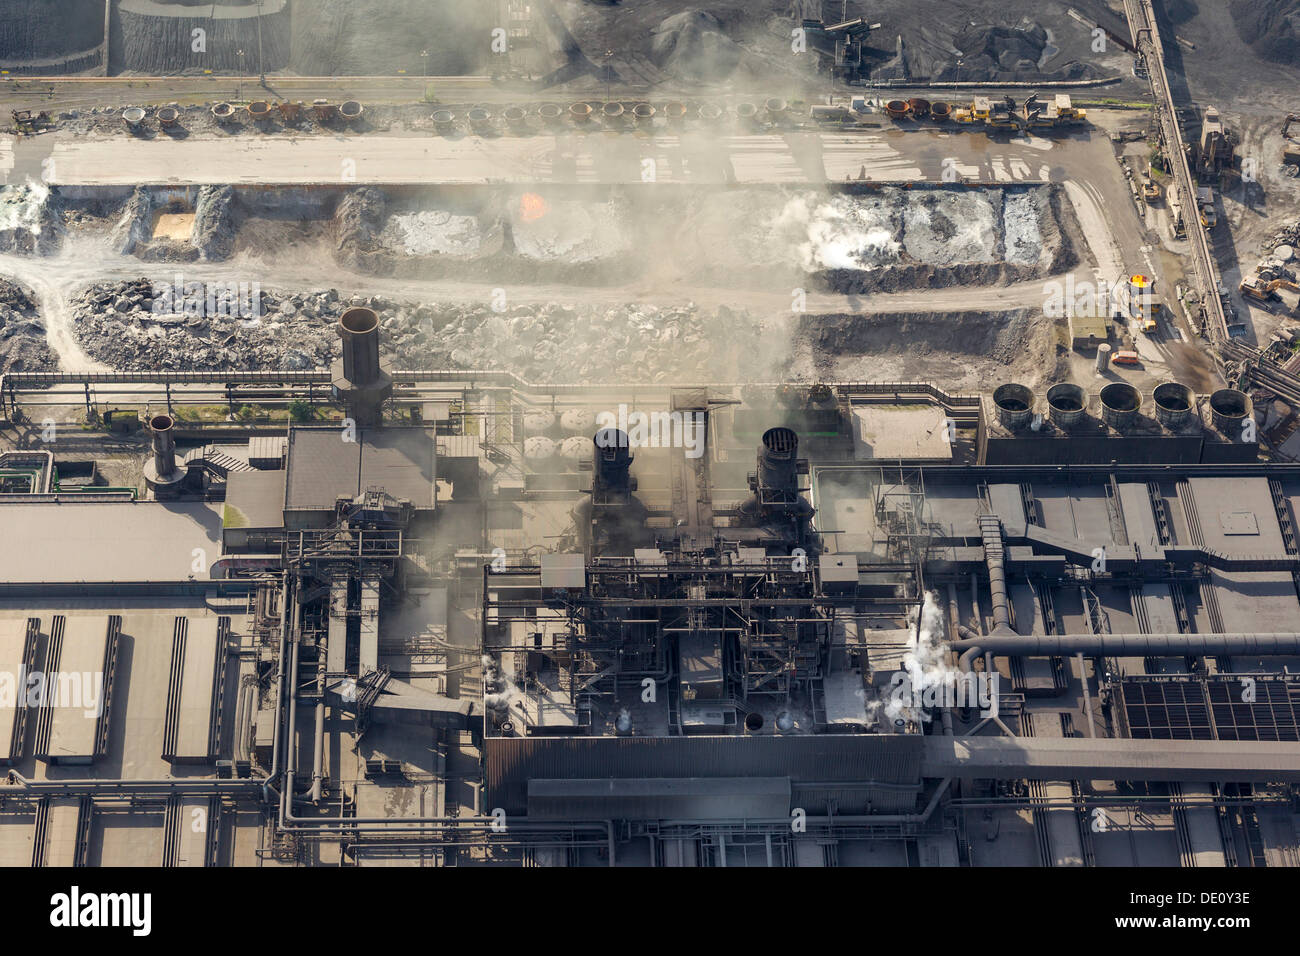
(532,207)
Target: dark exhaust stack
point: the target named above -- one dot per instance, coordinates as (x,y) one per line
(358,379)
(160,472)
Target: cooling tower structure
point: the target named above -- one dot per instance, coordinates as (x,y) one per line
(154,37)
(1173,404)
(1229,410)
(1015,405)
(1067,405)
(1120,404)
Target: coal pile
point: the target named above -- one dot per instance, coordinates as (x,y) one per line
(692,46)
(23,347)
(1270,27)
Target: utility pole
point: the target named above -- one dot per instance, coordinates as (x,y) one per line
(240,94)
(261,68)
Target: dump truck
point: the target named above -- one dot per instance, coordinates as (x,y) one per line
(1135,301)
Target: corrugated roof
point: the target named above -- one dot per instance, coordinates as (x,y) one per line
(254,499)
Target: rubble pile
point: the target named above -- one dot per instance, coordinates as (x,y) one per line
(23,347)
(133,326)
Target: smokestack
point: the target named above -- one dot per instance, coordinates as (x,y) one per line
(613,461)
(359,330)
(160,471)
(778,460)
(164,444)
(358,379)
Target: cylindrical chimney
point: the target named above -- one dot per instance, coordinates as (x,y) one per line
(613,458)
(778,460)
(359,329)
(164,445)
(1173,404)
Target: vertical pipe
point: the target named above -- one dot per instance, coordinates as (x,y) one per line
(164,445)
(318,760)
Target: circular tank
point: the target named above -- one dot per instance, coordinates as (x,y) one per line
(550,113)
(1067,404)
(897,109)
(514,116)
(1228,409)
(581,112)
(574,447)
(612,114)
(940,111)
(480,119)
(643,113)
(1103,357)
(539,448)
(920,108)
(577,421)
(1173,404)
(538,420)
(1015,405)
(132,116)
(710,112)
(675,111)
(746,111)
(775,106)
(444,121)
(351,110)
(1120,403)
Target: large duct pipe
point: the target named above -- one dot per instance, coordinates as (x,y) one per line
(1127,645)
(992,531)
(318,755)
(359,330)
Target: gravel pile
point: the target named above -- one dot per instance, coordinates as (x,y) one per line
(117,325)
(23,347)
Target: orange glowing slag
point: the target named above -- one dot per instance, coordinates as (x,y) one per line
(532,207)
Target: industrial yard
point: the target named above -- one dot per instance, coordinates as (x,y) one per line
(584,434)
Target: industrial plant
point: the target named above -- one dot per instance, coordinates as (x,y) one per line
(566,448)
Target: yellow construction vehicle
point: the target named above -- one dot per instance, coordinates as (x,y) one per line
(1255,287)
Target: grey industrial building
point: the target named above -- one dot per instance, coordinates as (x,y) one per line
(466,625)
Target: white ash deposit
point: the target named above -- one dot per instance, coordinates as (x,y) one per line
(26,218)
(116,324)
(570,230)
(950,228)
(434,232)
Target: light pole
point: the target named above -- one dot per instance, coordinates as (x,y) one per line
(424,55)
(239,95)
(261,67)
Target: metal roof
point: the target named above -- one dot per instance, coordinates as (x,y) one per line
(323,466)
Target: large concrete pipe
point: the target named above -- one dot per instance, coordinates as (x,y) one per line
(1128,645)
